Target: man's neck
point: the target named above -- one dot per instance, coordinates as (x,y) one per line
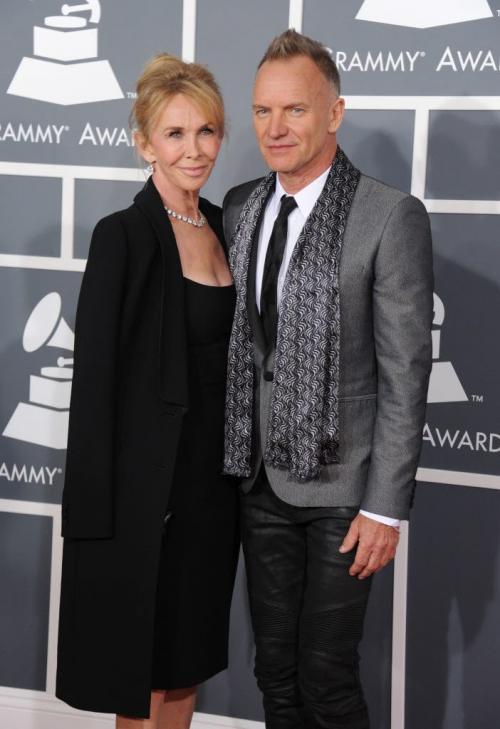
(294,182)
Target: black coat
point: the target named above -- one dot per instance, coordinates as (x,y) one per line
(130,392)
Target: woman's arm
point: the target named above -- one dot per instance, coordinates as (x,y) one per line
(87,504)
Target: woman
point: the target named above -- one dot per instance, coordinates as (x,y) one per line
(150,525)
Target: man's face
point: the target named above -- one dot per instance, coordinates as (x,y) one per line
(296,114)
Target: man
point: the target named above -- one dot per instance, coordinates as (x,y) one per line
(328,370)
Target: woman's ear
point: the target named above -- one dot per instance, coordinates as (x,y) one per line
(143,147)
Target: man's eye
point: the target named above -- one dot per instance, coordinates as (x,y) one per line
(297,110)
(261,112)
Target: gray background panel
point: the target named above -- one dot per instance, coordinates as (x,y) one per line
(464,155)
(38,234)
(25,557)
(94,200)
(453,608)
(467,272)
(380,144)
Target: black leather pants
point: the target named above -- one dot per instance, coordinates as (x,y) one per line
(307,612)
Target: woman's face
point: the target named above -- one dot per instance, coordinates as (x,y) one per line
(183,146)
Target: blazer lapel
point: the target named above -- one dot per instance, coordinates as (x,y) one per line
(173,382)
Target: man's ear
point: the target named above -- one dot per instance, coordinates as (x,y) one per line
(337,110)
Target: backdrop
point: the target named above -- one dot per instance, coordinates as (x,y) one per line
(421,81)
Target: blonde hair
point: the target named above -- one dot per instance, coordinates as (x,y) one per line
(164,77)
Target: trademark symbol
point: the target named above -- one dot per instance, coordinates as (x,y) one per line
(131,95)
(59,470)
(66,128)
(422,54)
(477,398)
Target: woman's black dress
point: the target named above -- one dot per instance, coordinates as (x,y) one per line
(201,536)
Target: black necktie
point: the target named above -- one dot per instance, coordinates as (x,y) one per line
(272,265)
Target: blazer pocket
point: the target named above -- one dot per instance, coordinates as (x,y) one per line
(357,416)
(353,398)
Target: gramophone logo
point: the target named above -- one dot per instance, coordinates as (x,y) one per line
(423,13)
(44,419)
(444,385)
(63,70)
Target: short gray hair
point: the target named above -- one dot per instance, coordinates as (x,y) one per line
(291,44)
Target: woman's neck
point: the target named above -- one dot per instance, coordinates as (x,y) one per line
(182,201)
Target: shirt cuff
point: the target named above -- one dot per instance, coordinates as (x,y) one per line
(383,519)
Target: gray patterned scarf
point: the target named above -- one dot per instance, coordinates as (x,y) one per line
(303,427)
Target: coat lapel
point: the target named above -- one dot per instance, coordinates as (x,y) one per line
(173,381)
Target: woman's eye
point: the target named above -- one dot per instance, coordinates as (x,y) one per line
(207,130)
(174,134)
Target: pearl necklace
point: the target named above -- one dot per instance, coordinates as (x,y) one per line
(186,219)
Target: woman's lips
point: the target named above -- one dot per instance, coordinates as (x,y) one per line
(194,171)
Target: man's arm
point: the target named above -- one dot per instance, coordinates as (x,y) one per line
(402,323)
(402,320)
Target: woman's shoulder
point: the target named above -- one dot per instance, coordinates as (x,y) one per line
(121,227)
(113,234)
(119,220)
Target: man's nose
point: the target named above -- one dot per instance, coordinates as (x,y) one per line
(277,127)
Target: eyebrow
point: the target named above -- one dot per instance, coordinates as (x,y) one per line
(288,106)
(179,129)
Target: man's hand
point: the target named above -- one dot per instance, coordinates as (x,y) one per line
(377,544)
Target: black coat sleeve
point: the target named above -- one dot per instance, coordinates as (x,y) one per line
(87,504)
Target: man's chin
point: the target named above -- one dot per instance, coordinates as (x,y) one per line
(279,165)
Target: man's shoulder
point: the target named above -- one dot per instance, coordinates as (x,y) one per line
(383,196)
(239,194)
(380,191)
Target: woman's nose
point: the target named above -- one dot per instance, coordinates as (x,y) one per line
(192,146)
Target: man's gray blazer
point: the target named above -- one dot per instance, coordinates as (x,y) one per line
(386,305)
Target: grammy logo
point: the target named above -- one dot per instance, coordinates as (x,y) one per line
(444,385)
(423,13)
(64,70)
(44,419)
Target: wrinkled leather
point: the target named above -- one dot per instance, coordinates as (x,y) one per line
(307,612)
